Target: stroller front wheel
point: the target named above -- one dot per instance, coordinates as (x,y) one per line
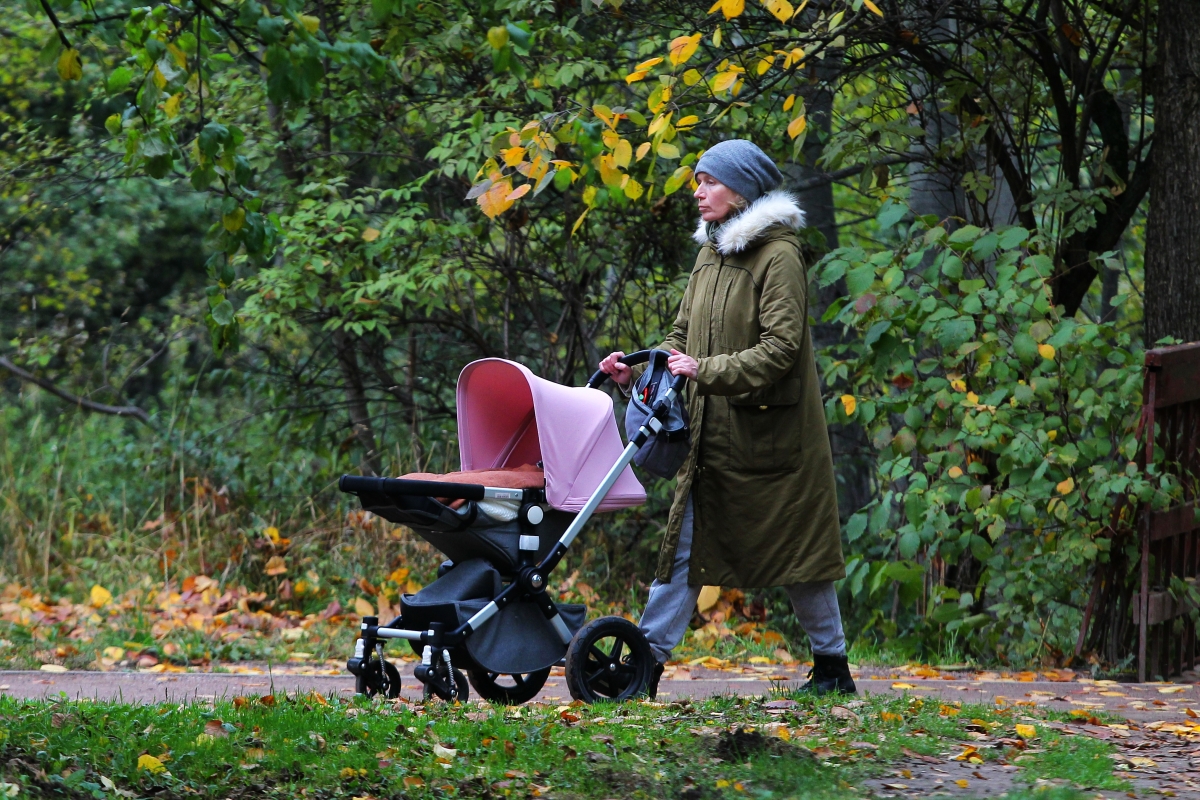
(375,680)
(511,690)
(609,659)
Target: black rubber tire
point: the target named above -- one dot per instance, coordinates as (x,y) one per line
(462,691)
(374,682)
(524,687)
(608,659)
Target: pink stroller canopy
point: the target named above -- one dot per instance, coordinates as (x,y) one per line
(507,416)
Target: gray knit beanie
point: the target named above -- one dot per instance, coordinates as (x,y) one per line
(742,166)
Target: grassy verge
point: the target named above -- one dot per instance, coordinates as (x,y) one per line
(319,747)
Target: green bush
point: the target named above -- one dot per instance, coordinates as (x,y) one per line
(1005,436)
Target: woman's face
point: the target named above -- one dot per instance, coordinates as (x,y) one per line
(716,200)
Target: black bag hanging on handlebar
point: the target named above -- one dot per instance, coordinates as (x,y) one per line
(664,453)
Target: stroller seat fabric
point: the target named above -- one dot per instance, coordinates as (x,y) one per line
(517,640)
(526,476)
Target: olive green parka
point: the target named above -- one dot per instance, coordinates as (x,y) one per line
(760,466)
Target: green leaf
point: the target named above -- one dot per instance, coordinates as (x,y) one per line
(859,279)
(222,314)
(910,542)
(119,79)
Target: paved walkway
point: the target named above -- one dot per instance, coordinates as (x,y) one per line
(1158,752)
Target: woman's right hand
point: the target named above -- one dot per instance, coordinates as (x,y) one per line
(611,365)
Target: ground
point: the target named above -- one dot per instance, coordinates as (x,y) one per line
(718,730)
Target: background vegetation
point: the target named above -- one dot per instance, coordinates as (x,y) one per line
(247,247)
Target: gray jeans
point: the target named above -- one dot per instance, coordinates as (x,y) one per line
(670,606)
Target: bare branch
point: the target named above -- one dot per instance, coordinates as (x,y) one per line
(74,399)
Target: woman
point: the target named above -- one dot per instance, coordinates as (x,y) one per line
(756,504)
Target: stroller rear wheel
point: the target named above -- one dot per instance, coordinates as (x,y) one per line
(511,690)
(374,681)
(609,659)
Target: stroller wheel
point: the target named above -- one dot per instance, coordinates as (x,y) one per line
(511,690)
(609,659)
(375,681)
(461,691)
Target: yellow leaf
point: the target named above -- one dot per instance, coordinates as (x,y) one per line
(781,9)
(1066,487)
(1172,690)
(513,156)
(70,67)
(722,783)
(150,764)
(958,385)
(272,532)
(715,6)
(658,123)
(955,472)
(518,193)
(233,222)
(311,24)
(114,653)
(901,685)
(684,47)
(634,77)
(589,196)
(687,122)
(764,65)
(363,608)
(708,598)
(692,77)
(668,150)
(52,668)
(964,783)
(849,403)
(791,101)
(797,126)
(497,37)
(100,597)
(494,201)
(643,148)
(369,235)
(645,65)
(732,8)
(159,79)
(972,398)
(579,221)
(1046,351)
(723,81)
(1027,731)
(623,152)
(874,9)
(177,54)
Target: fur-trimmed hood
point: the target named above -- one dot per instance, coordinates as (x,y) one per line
(743,230)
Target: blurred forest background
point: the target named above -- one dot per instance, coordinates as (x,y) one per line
(246,247)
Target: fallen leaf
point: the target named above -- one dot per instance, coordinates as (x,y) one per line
(708,598)
(150,764)
(1170,689)
(413,782)
(1026,731)
(444,752)
(99,596)
(216,729)
(963,782)
(901,685)
(52,668)
(276,566)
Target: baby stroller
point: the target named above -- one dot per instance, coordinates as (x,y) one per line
(538,460)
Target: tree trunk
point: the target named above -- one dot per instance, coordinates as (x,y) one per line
(356,400)
(1173,227)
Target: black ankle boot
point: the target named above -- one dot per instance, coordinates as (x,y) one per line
(829,674)
(652,684)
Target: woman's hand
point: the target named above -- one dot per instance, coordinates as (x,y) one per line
(683,364)
(620,373)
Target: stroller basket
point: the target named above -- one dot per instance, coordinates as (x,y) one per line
(489,610)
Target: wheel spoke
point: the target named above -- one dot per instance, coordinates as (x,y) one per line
(598,654)
(615,655)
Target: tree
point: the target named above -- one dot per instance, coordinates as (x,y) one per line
(1173,227)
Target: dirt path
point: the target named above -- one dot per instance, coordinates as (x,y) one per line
(1158,752)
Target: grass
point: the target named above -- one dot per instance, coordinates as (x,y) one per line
(325,747)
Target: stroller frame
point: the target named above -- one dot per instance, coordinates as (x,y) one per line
(531,578)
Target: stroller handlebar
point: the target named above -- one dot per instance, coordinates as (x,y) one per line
(633,359)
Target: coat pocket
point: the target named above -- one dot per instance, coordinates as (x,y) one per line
(765,438)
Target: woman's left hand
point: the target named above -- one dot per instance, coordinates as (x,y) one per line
(682,364)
